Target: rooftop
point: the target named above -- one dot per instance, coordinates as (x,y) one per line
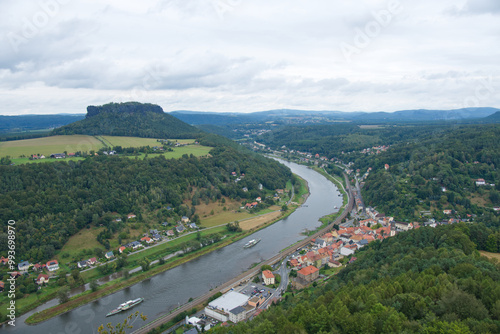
(308,270)
(238,310)
(229,301)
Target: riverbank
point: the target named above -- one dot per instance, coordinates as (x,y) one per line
(113,286)
(163,323)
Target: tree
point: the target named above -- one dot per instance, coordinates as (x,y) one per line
(93,285)
(145,264)
(284,208)
(63,295)
(121,327)
(126,274)
(266,267)
(75,273)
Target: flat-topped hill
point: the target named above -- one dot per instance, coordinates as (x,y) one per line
(129,119)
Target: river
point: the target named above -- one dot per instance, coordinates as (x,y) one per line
(166,291)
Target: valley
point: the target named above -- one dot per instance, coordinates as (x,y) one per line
(115,211)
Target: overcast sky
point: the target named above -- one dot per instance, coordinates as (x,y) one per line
(59,56)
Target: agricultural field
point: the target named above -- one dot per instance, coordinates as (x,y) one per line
(196,150)
(128,141)
(49,145)
(20,150)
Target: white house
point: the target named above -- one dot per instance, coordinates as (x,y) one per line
(480,182)
(52,265)
(267,277)
(24,266)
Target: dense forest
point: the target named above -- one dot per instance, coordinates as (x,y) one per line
(423,281)
(436,173)
(129,119)
(332,140)
(432,166)
(52,201)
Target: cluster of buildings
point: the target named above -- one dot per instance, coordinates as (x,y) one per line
(375,149)
(332,247)
(93,261)
(44,270)
(155,235)
(236,306)
(53,156)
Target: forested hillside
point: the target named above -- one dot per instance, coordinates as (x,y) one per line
(332,140)
(129,119)
(436,173)
(432,166)
(52,201)
(423,281)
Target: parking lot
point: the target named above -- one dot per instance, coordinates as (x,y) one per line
(255,289)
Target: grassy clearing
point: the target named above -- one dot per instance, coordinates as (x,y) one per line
(224,217)
(49,145)
(212,209)
(490,255)
(129,141)
(196,150)
(83,240)
(257,221)
(22,161)
(303,190)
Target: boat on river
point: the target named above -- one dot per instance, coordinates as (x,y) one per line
(251,243)
(125,306)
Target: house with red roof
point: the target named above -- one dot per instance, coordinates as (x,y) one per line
(15,274)
(52,265)
(147,240)
(369,238)
(332,263)
(480,182)
(42,278)
(268,277)
(328,237)
(368,222)
(122,249)
(305,276)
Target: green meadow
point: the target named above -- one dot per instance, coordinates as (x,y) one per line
(20,150)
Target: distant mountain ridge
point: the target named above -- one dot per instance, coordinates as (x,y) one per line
(214,118)
(35,122)
(129,119)
(494,118)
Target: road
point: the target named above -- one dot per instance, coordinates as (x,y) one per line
(283,272)
(252,272)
